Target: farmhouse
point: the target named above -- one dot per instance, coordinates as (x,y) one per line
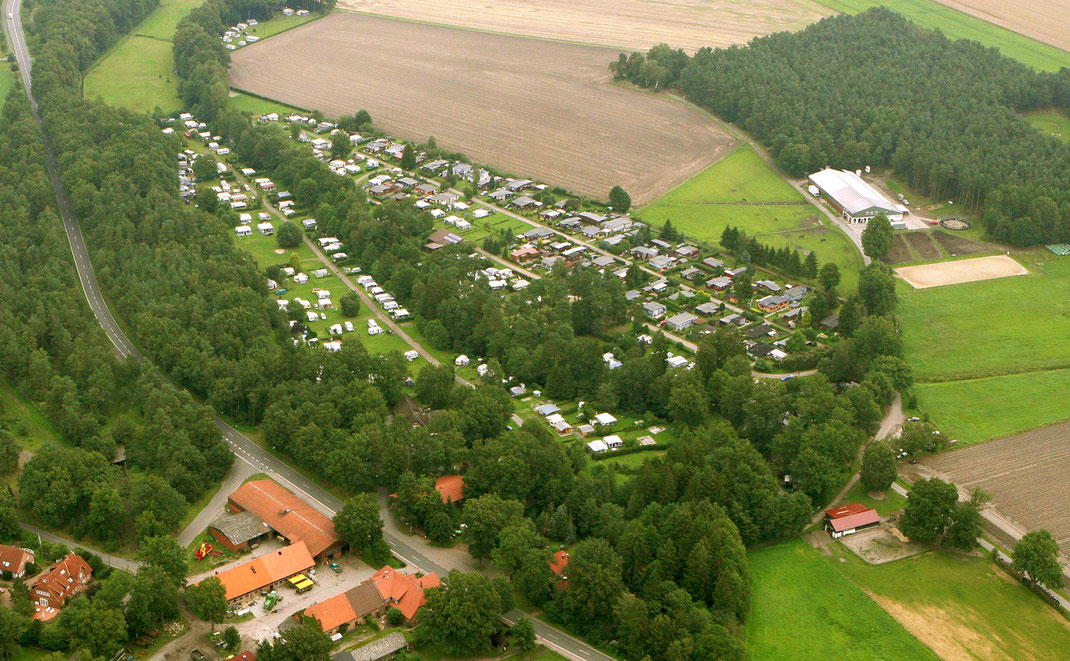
(14,560)
(289,516)
(849,519)
(856,200)
(347,609)
(58,584)
(244,582)
(405,591)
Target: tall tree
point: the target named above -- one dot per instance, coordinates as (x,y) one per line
(929,509)
(208,600)
(358,523)
(462,615)
(878,466)
(877,237)
(619,199)
(1037,556)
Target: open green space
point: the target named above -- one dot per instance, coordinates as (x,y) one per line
(804,608)
(740,190)
(965,607)
(958,25)
(137,72)
(891,502)
(241,102)
(975,410)
(29,425)
(7,81)
(1051,122)
(263,248)
(992,327)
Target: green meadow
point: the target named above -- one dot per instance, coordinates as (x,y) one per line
(741,190)
(804,608)
(1050,122)
(958,25)
(7,81)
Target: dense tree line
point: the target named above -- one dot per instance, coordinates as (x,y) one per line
(875,89)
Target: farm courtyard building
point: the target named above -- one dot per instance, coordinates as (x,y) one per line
(287,515)
(849,519)
(856,200)
(244,583)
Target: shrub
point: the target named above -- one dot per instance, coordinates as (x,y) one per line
(395,617)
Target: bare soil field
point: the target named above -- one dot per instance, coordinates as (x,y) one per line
(1025,473)
(922,244)
(958,272)
(1043,20)
(956,244)
(541,109)
(628,24)
(899,253)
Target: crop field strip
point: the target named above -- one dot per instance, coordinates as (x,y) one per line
(961,25)
(1025,473)
(538,108)
(626,24)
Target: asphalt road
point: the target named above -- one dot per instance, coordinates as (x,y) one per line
(244,448)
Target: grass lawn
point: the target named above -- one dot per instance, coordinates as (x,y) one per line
(253,104)
(1048,122)
(7,81)
(993,327)
(890,503)
(976,410)
(136,75)
(710,201)
(803,607)
(957,25)
(963,607)
(281,23)
(24,415)
(263,248)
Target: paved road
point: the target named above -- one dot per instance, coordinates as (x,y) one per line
(243,447)
(110,560)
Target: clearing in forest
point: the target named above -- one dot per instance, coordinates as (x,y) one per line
(628,24)
(528,107)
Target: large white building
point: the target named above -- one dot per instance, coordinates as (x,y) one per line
(856,200)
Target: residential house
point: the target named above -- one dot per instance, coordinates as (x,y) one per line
(736,319)
(451,488)
(772,303)
(558,423)
(13,560)
(768,285)
(592,217)
(404,591)
(654,309)
(761,330)
(708,308)
(604,419)
(662,262)
(559,567)
(347,609)
(686,252)
(515,185)
(58,584)
(691,273)
(681,321)
(643,252)
(713,263)
(720,283)
(523,202)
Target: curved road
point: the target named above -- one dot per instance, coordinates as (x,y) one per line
(244,448)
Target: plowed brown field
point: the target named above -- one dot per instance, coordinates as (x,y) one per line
(631,24)
(1025,473)
(1043,20)
(541,109)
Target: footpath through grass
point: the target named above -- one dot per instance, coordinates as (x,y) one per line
(958,25)
(804,608)
(743,191)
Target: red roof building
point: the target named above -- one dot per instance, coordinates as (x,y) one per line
(348,608)
(14,560)
(451,487)
(288,516)
(559,565)
(58,584)
(849,519)
(243,582)
(405,591)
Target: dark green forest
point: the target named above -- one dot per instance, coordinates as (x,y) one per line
(875,89)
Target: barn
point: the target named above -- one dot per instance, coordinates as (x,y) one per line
(856,200)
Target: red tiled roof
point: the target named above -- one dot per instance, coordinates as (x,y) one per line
(559,563)
(845,510)
(347,606)
(855,520)
(403,590)
(265,570)
(14,559)
(451,487)
(62,580)
(287,514)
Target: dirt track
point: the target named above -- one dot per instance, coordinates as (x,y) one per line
(960,271)
(535,108)
(629,24)
(1045,20)
(1025,473)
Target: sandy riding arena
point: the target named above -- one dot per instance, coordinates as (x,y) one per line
(533,108)
(629,24)
(958,272)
